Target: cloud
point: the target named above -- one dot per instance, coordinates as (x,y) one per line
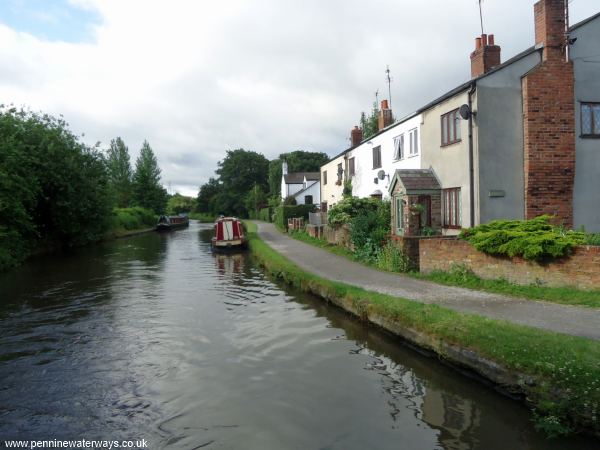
(196,78)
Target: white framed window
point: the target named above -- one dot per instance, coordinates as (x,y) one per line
(450,128)
(399,147)
(452,206)
(399,215)
(590,120)
(413,136)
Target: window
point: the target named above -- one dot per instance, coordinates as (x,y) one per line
(399,215)
(340,172)
(590,119)
(413,136)
(324,177)
(308,200)
(351,167)
(452,208)
(399,147)
(377,157)
(450,128)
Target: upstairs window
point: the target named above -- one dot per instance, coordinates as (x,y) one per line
(399,147)
(324,177)
(340,172)
(590,120)
(351,167)
(450,128)
(308,199)
(413,137)
(377,157)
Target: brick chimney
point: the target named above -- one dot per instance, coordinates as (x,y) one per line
(486,55)
(385,116)
(356,136)
(550,28)
(549,120)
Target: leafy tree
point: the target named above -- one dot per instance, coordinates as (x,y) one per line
(177,204)
(298,161)
(238,172)
(205,202)
(256,199)
(119,173)
(370,124)
(52,187)
(147,190)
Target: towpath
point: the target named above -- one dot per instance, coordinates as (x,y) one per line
(578,321)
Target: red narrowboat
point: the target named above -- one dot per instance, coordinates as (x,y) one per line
(168,223)
(229,234)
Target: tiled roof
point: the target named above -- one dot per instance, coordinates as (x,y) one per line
(298,177)
(417,179)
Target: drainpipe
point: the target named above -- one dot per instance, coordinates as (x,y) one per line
(471,168)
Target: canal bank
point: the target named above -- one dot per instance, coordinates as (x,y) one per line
(558,375)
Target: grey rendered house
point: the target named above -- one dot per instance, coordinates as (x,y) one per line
(520,139)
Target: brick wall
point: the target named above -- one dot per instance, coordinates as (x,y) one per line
(549,121)
(582,269)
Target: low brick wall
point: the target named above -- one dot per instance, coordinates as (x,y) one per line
(338,236)
(581,269)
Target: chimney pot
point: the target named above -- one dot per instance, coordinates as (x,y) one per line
(477,43)
(484,40)
(384,104)
(491,39)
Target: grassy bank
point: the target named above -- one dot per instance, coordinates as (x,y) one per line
(202,217)
(125,221)
(462,277)
(559,374)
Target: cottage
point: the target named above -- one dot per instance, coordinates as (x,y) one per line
(304,187)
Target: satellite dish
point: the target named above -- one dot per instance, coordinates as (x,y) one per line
(381,174)
(465,112)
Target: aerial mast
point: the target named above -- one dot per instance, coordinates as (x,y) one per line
(389,82)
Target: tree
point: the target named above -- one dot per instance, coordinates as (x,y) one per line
(119,173)
(53,188)
(256,199)
(298,161)
(238,172)
(147,190)
(370,125)
(205,202)
(177,204)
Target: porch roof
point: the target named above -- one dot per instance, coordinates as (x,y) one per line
(415,180)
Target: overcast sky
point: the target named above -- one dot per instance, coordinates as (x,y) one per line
(198,77)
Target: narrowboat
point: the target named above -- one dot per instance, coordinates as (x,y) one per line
(229,234)
(168,223)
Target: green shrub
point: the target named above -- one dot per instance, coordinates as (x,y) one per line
(392,259)
(283,213)
(592,239)
(133,218)
(534,239)
(348,208)
(265,214)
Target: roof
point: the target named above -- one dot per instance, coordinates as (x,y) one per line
(583,22)
(303,190)
(298,177)
(457,90)
(416,180)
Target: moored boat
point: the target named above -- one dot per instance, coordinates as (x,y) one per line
(229,234)
(167,223)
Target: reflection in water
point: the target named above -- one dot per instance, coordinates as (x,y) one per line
(156,338)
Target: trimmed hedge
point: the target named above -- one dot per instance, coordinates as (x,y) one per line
(283,213)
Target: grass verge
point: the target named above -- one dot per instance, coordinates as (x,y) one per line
(559,374)
(126,221)
(202,217)
(463,277)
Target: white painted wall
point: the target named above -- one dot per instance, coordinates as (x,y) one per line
(363,184)
(331,192)
(313,189)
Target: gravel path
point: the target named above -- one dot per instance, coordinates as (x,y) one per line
(578,321)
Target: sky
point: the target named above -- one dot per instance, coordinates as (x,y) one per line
(197,78)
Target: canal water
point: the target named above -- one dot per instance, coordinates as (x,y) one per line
(156,338)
